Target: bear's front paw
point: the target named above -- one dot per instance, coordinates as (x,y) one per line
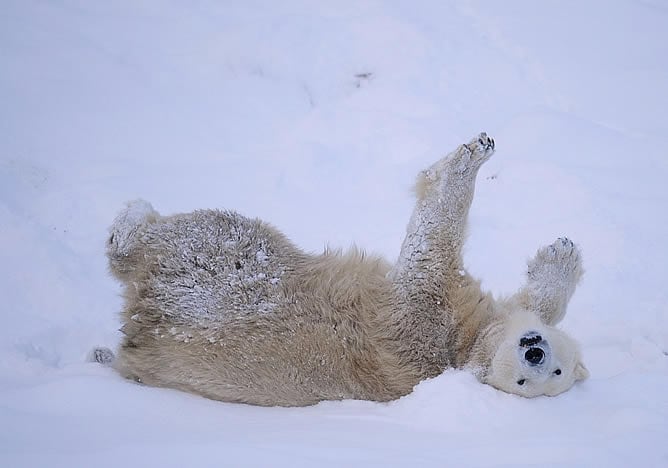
(560,261)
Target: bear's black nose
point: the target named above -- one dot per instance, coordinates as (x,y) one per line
(534,356)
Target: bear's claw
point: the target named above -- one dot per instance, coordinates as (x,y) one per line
(485,141)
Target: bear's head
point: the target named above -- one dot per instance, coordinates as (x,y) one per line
(533,358)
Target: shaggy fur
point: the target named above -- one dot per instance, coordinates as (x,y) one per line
(225,306)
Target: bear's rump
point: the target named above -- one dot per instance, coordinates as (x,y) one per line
(209,264)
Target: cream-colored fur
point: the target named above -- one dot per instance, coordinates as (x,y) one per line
(225,306)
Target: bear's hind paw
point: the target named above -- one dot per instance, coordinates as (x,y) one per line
(468,158)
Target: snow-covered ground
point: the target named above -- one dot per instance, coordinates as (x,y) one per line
(316,116)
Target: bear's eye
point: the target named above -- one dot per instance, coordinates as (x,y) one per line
(557,372)
(521,381)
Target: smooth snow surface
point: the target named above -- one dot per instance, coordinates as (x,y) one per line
(316,116)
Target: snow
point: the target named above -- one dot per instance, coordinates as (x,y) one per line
(316,117)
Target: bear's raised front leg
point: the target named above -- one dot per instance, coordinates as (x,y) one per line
(431,251)
(552,277)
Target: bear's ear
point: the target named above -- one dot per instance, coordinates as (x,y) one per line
(581,372)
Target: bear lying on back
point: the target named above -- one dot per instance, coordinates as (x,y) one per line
(226,307)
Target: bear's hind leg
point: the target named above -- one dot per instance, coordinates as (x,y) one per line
(436,232)
(122,240)
(429,280)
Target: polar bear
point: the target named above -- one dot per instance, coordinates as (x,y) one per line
(227,307)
